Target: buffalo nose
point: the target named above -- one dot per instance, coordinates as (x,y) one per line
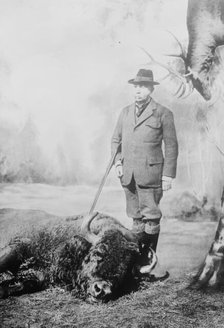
(101,289)
(98,289)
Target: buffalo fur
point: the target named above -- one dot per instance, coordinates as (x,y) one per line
(57,257)
(112,259)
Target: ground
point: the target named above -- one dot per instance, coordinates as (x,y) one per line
(168,304)
(183,245)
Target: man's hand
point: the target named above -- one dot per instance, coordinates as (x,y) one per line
(166,183)
(119,169)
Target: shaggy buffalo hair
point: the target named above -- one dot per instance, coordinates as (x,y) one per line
(57,257)
(112,259)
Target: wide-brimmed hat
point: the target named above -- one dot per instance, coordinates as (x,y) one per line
(144,76)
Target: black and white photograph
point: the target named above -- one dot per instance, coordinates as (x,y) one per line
(111,163)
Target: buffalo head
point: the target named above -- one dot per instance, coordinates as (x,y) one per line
(114,259)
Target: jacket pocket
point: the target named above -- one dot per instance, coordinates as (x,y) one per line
(156,158)
(155,173)
(154,124)
(152,131)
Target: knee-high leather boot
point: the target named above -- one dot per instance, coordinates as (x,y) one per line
(152,230)
(149,238)
(147,241)
(150,241)
(153,241)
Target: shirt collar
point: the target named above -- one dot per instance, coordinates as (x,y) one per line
(141,105)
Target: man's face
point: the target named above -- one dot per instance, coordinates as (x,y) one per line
(142,91)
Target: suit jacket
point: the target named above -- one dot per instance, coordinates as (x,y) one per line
(141,141)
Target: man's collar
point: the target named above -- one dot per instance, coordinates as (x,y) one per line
(147,112)
(141,106)
(144,102)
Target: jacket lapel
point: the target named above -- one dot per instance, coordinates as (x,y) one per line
(146,113)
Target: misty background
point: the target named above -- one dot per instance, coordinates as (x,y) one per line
(64,67)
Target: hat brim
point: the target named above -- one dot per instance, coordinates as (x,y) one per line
(134,81)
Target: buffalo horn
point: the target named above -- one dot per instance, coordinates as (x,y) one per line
(85,228)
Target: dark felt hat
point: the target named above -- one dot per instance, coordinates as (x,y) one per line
(143,76)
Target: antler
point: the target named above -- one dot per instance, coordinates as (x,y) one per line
(183,55)
(189,71)
(183,82)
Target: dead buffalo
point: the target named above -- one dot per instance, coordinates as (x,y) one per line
(96,267)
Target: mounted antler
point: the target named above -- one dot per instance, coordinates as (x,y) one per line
(189,73)
(186,86)
(183,54)
(203,62)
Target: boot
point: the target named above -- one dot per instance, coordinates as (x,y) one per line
(145,243)
(153,241)
(152,230)
(150,241)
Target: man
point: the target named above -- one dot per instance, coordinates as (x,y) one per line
(144,171)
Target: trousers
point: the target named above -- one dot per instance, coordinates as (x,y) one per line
(142,204)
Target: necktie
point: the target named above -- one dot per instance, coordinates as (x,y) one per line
(140,108)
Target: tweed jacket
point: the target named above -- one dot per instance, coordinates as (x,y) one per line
(149,147)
